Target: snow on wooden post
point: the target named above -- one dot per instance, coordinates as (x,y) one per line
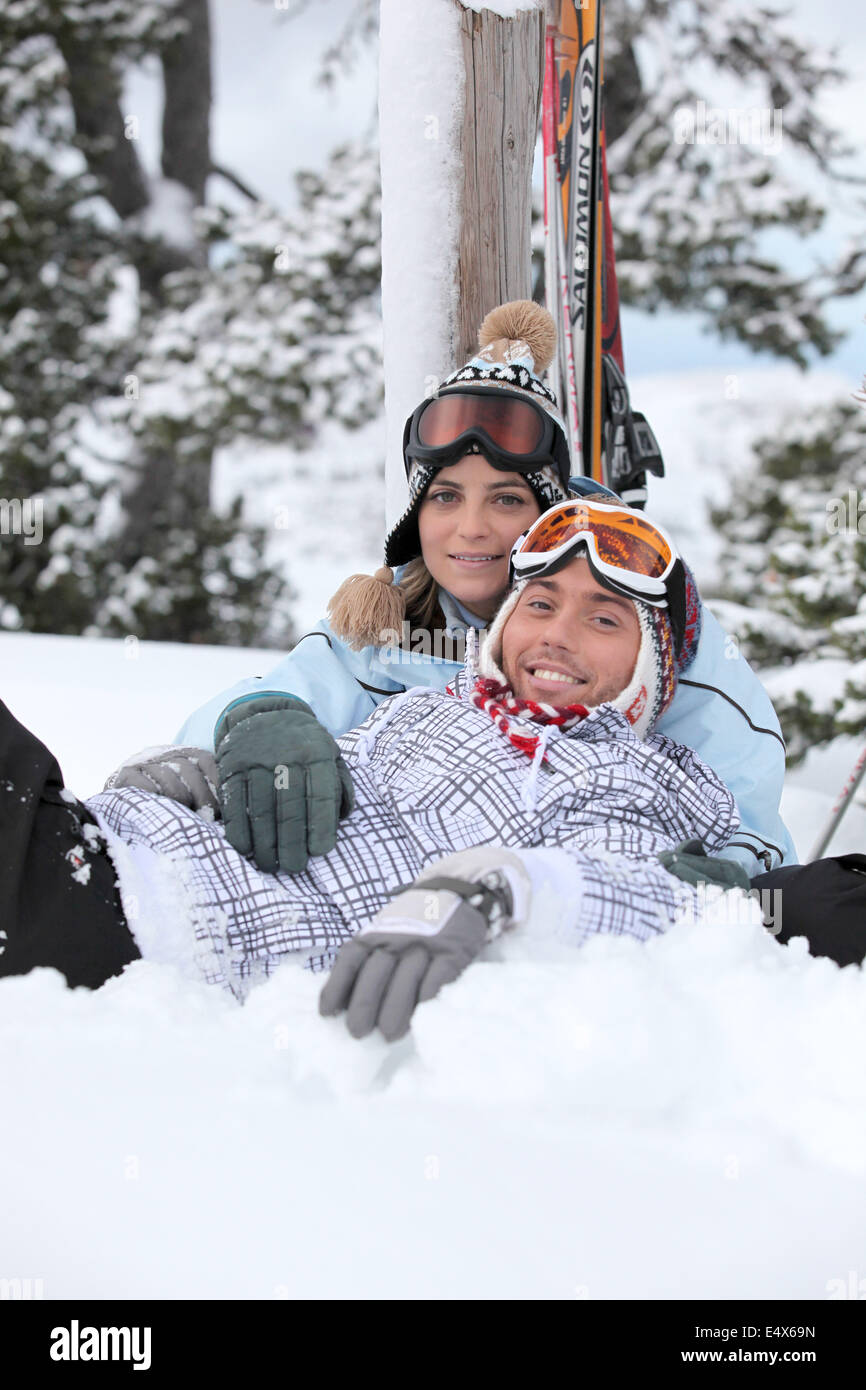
(459,95)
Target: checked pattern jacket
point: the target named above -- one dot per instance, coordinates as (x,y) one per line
(432,775)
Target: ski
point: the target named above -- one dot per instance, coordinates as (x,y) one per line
(611,443)
(556,277)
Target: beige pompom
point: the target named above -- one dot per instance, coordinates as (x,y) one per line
(368,610)
(525,320)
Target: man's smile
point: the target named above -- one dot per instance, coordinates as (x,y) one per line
(540,674)
(553,673)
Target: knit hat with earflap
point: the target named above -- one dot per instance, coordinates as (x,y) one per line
(516,343)
(668,645)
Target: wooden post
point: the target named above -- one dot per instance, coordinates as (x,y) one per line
(504,67)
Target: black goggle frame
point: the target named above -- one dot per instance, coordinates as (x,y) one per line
(552,448)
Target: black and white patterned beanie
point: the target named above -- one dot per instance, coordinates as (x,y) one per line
(516,341)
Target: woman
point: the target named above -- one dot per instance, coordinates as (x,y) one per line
(494,443)
(483,458)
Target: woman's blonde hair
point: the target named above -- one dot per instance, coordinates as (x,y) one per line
(421,593)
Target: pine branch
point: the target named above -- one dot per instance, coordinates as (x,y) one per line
(230,177)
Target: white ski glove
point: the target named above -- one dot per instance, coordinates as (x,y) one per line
(187,775)
(424,938)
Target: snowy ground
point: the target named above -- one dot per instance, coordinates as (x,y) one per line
(683,1119)
(679,1120)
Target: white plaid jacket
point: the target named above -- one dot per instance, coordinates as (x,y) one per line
(432,775)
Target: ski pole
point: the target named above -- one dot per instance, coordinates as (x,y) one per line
(845,798)
(572,411)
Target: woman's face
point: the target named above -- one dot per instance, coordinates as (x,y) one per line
(470,517)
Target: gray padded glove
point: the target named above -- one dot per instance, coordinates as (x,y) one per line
(690,862)
(187,775)
(424,938)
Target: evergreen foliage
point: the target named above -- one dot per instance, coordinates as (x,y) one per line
(795,558)
(141,330)
(716,139)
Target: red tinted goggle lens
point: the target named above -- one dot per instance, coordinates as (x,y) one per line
(624,539)
(514,426)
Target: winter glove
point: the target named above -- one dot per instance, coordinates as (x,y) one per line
(424,938)
(187,775)
(690,862)
(283,785)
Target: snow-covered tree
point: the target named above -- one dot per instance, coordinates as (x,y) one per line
(278,331)
(144,324)
(795,559)
(716,137)
(80,222)
(58,262)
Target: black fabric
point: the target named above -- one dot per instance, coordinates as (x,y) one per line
(48,916)
(825,902)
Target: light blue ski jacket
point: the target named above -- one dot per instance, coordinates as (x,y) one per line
(720,710)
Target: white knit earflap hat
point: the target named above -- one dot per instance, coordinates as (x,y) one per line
(653,680)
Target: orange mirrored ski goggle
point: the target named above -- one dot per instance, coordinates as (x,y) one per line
(623,548)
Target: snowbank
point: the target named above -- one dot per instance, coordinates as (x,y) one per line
(683,1119)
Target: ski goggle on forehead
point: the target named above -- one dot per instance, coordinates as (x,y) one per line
(623,548)
(512,430)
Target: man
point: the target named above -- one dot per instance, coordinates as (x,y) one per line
(538,778)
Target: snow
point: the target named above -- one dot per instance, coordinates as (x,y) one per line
(262,1153)
(623,1121)
(168,215)
(506,9)
(96,701)
(420,111)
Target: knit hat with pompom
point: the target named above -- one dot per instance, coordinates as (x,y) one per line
(516,343)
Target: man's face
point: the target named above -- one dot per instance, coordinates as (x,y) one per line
(569,640)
